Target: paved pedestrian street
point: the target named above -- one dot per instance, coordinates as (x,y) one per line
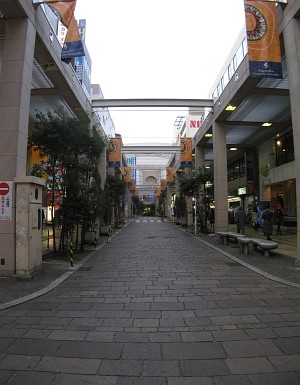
(155,306)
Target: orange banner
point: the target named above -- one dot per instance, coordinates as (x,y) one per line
(186,156)
(274,1)
(114,152)
(51,1)
(170,176)
(263,39)
(64,9)
(73,46)
(132,186)
(127,174)
(163,184)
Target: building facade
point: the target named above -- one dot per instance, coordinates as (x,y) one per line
(251,136)
(33,77)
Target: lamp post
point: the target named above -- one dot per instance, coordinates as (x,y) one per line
(195,204)
(195,220)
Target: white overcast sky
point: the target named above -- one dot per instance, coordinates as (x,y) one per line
(158,49)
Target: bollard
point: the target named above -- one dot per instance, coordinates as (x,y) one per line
(108,234)
(48,240)
(95,240)
(71,253)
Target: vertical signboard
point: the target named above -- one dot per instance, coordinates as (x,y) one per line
(170,176)
(186,157)
(127,175)
(163,184)
(114,152)
(263,39)
(61,32)
(132,162)
(193,123)
(6,200)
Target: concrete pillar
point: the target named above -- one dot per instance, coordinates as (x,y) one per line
(220,177)
(189,201)
(199,157)
(15,90)
(291,35)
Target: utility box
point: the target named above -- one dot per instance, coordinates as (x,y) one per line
(28,226)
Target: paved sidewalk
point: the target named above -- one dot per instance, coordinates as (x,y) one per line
(155,306)
(55,270)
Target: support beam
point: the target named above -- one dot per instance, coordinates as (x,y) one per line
(150,149)
(196,103)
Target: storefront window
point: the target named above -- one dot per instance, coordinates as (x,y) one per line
(236,169)
(284,149)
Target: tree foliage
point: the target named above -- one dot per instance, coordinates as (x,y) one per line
(191,184)
(114,192)
(71,153)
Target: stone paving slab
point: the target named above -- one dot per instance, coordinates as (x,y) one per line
(155,306)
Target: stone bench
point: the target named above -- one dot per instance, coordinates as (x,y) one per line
(225,235)
(265,245)
(244,243)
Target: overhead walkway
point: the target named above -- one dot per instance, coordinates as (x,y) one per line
(151,149)
(197,103)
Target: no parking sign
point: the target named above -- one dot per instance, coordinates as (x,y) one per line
(5,200)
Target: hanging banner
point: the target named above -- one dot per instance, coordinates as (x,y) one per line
(127,174)
(170,176)
(163,185)
(132,186)
(186,157)
(73,46)
(64,10)
(274,1)
(263,39)
(51,1)
(114,152)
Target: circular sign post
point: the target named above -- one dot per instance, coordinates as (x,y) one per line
(4,188)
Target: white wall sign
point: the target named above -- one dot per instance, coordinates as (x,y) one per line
(6,200)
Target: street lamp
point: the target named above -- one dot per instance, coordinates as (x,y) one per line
(195,204)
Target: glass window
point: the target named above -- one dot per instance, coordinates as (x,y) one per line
(284,149)
(237,169)
(239,55)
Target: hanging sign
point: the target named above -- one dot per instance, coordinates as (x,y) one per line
(263,39)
